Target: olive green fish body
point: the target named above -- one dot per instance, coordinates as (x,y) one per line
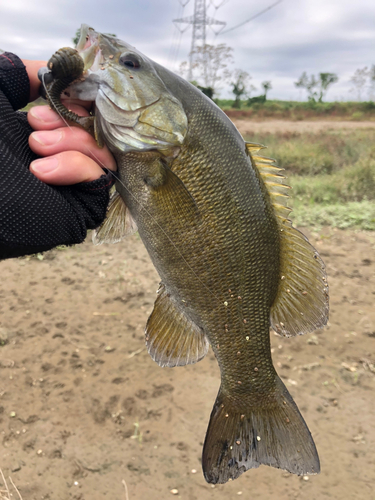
(211,232)
(205,237)
(213,216)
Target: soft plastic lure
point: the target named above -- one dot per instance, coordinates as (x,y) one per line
(66,66)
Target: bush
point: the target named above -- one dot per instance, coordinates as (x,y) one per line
(291,110)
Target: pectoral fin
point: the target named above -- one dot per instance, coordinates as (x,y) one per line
(172,338)
(169,191)
(118,223)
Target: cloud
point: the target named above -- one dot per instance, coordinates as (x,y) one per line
(308,35)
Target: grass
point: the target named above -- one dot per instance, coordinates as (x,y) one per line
(357,215)
(296,110)
(6,493)
(332,175)
(321,153)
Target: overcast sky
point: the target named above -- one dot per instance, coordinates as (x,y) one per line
(296,35)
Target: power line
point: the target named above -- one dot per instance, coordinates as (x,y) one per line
(251,18)
(177,35)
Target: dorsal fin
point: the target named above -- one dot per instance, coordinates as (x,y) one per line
(301,304)
(275,182)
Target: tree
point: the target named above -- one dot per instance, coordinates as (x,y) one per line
(267,85)
(251,89)
(359,80)
(309,84)
(75,40)
(372,82)
(316,88)
(183,71)
(210,65)
(208,91)
(326,80)
(239,86)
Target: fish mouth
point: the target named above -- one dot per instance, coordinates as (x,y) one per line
(89,49)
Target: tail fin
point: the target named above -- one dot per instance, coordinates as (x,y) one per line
(274,435)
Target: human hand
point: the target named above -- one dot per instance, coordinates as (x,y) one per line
(37,216)
(71,155)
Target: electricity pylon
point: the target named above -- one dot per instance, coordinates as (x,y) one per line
(199,21)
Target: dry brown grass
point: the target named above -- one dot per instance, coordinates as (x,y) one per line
(6,493)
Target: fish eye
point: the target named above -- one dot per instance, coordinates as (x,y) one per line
(130,61)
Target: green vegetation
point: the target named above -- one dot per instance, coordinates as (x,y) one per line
(359,215)
(332,175)
(239,87)
(316,87)
(296,110)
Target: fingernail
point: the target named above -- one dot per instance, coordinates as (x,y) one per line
(44,165)
(44,114)
(48,138)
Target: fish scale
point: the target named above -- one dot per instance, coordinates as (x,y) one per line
(213,216)
(252,260)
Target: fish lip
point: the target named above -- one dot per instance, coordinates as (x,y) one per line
(88,47)
(86,33)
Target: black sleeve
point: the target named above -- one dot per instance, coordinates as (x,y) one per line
(34,216)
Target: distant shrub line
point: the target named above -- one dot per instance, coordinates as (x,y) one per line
(295,110)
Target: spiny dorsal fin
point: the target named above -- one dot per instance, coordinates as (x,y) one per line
(172,338)
(253,147)
(118,223)
(275,182)
(301,304)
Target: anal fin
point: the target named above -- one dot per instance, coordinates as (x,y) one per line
(172,338)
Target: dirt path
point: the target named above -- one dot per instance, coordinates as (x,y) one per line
(247,127)
(83,407)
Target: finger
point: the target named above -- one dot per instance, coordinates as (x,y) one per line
(64,169)
(44,118)
(52,142)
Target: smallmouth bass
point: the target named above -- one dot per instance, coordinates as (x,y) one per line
(213,216)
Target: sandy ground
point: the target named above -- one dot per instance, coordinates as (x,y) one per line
(83,407)
(84,410)
(248,127)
